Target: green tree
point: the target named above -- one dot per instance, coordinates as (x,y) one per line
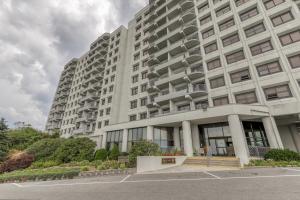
(77,149)
(4,146)
(3,125)
(44,149)
(143,148)
(101,154)
(114,154)
(20,139)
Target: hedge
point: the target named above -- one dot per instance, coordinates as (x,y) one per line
(44,174)
(282,155)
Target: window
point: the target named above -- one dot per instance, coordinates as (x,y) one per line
(136,56)
(221,101)
(114,138)
(136,135)
(107,111)
(295,61)
(240,76)
(231,40)
(144,75)
(134,91)
(227,24)
(246,98)
(101,113)
(261,48)
(208,33)
(185,107)
(223,10)
(144,101)
(135,67)
(214,64)
(211,48)
(235,57)
(143,115)
(269,68)
(135,79)
(205,20)
(132,118)
(277,92)
(272,3)
(111,88)
(248,14)
(109,99)
(106,122)
(290,38)
(99,125)
(240,2)
(163,136)
(255,30)
(144,87)
(283,18)
(217,82)
(203,8)
(133,104)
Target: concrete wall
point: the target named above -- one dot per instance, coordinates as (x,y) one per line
(152,163)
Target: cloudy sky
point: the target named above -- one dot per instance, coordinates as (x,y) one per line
(38,37)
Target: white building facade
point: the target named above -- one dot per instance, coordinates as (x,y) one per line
(219,75)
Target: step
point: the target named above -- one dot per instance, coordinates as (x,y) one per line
(213,161)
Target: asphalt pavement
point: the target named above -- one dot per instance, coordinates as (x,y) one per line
(246,184)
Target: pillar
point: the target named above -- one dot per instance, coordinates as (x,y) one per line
(272,132)
(187,138)
(177,138)
(125,140)
(103,146)
(195,137)
(238,138)
(150,132)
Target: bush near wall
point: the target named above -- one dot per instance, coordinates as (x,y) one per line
(282,155)
(101,154)
(44,174)
(143,148)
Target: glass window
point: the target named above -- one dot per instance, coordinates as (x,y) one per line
(290,38)
(282,18)
(255,30)
(240,76)
(272,3)
(227,24)
(208,33)
(249,14)
(114,138)
(295,61)
(221,101)
(269,68)
(136,135)
(231,40)
(261,48)
(235,57)
(223,10)
(217,82)
(246,98)
(211,48)
(163,136)
(278,92)
(214,64)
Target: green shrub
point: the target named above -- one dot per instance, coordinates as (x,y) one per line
(101,154)
(44,164)
(272,163)
(109,164)
(122,166)
(45,148)
(143,148)
(114,153)
(282,155)
(40,174)
(20,139)
(4,146)
(84,169)
(75,149)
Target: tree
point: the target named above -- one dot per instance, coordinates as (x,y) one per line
(77,149)
(44,149)
(4,146)
(101,154)
(143,148)
(3,125)
(114,154)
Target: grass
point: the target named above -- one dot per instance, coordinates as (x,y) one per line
(272,163)
(39,174)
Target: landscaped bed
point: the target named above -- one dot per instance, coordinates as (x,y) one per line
(272,163)
(39,174)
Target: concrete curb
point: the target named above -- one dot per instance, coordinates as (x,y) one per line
(111,172)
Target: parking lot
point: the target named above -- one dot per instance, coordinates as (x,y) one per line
(262,184)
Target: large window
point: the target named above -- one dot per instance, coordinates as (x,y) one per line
(290,38)
(235,57)
(282,18)
(269,68)
(272,3)
(217,82)
(295,61)
(227,24)
(246,98)
(248,14)
(223,10)
(114,138)
(136,135)
(278,92)
(210,48)
(208,33)
(221,101)
(261,48)
(240,76)
(163,136)
(255,134)
(213,64)
(231,39)
(253,30)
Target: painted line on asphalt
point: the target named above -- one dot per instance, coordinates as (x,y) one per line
(18,185)
(124,179)
(155,180)
(296,170)
(208,173)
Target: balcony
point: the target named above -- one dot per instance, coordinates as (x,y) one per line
(187,4)
(191,41)
(195,71)
(152,73)
(193,55)
(190,27)
(152,87)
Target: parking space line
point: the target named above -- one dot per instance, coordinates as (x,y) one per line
(296,170)
(16,184)
(208,173)
(124,179)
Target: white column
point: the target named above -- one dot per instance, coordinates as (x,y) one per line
(195,137)
(177,138)
(272,132)
(103,140)
(150,132)
(238,138)
(187,138)
(125,140)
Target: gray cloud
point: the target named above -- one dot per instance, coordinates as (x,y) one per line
(38,38)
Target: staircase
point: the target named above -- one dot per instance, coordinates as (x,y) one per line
(213,161)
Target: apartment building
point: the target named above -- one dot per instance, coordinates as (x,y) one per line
(219,75)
